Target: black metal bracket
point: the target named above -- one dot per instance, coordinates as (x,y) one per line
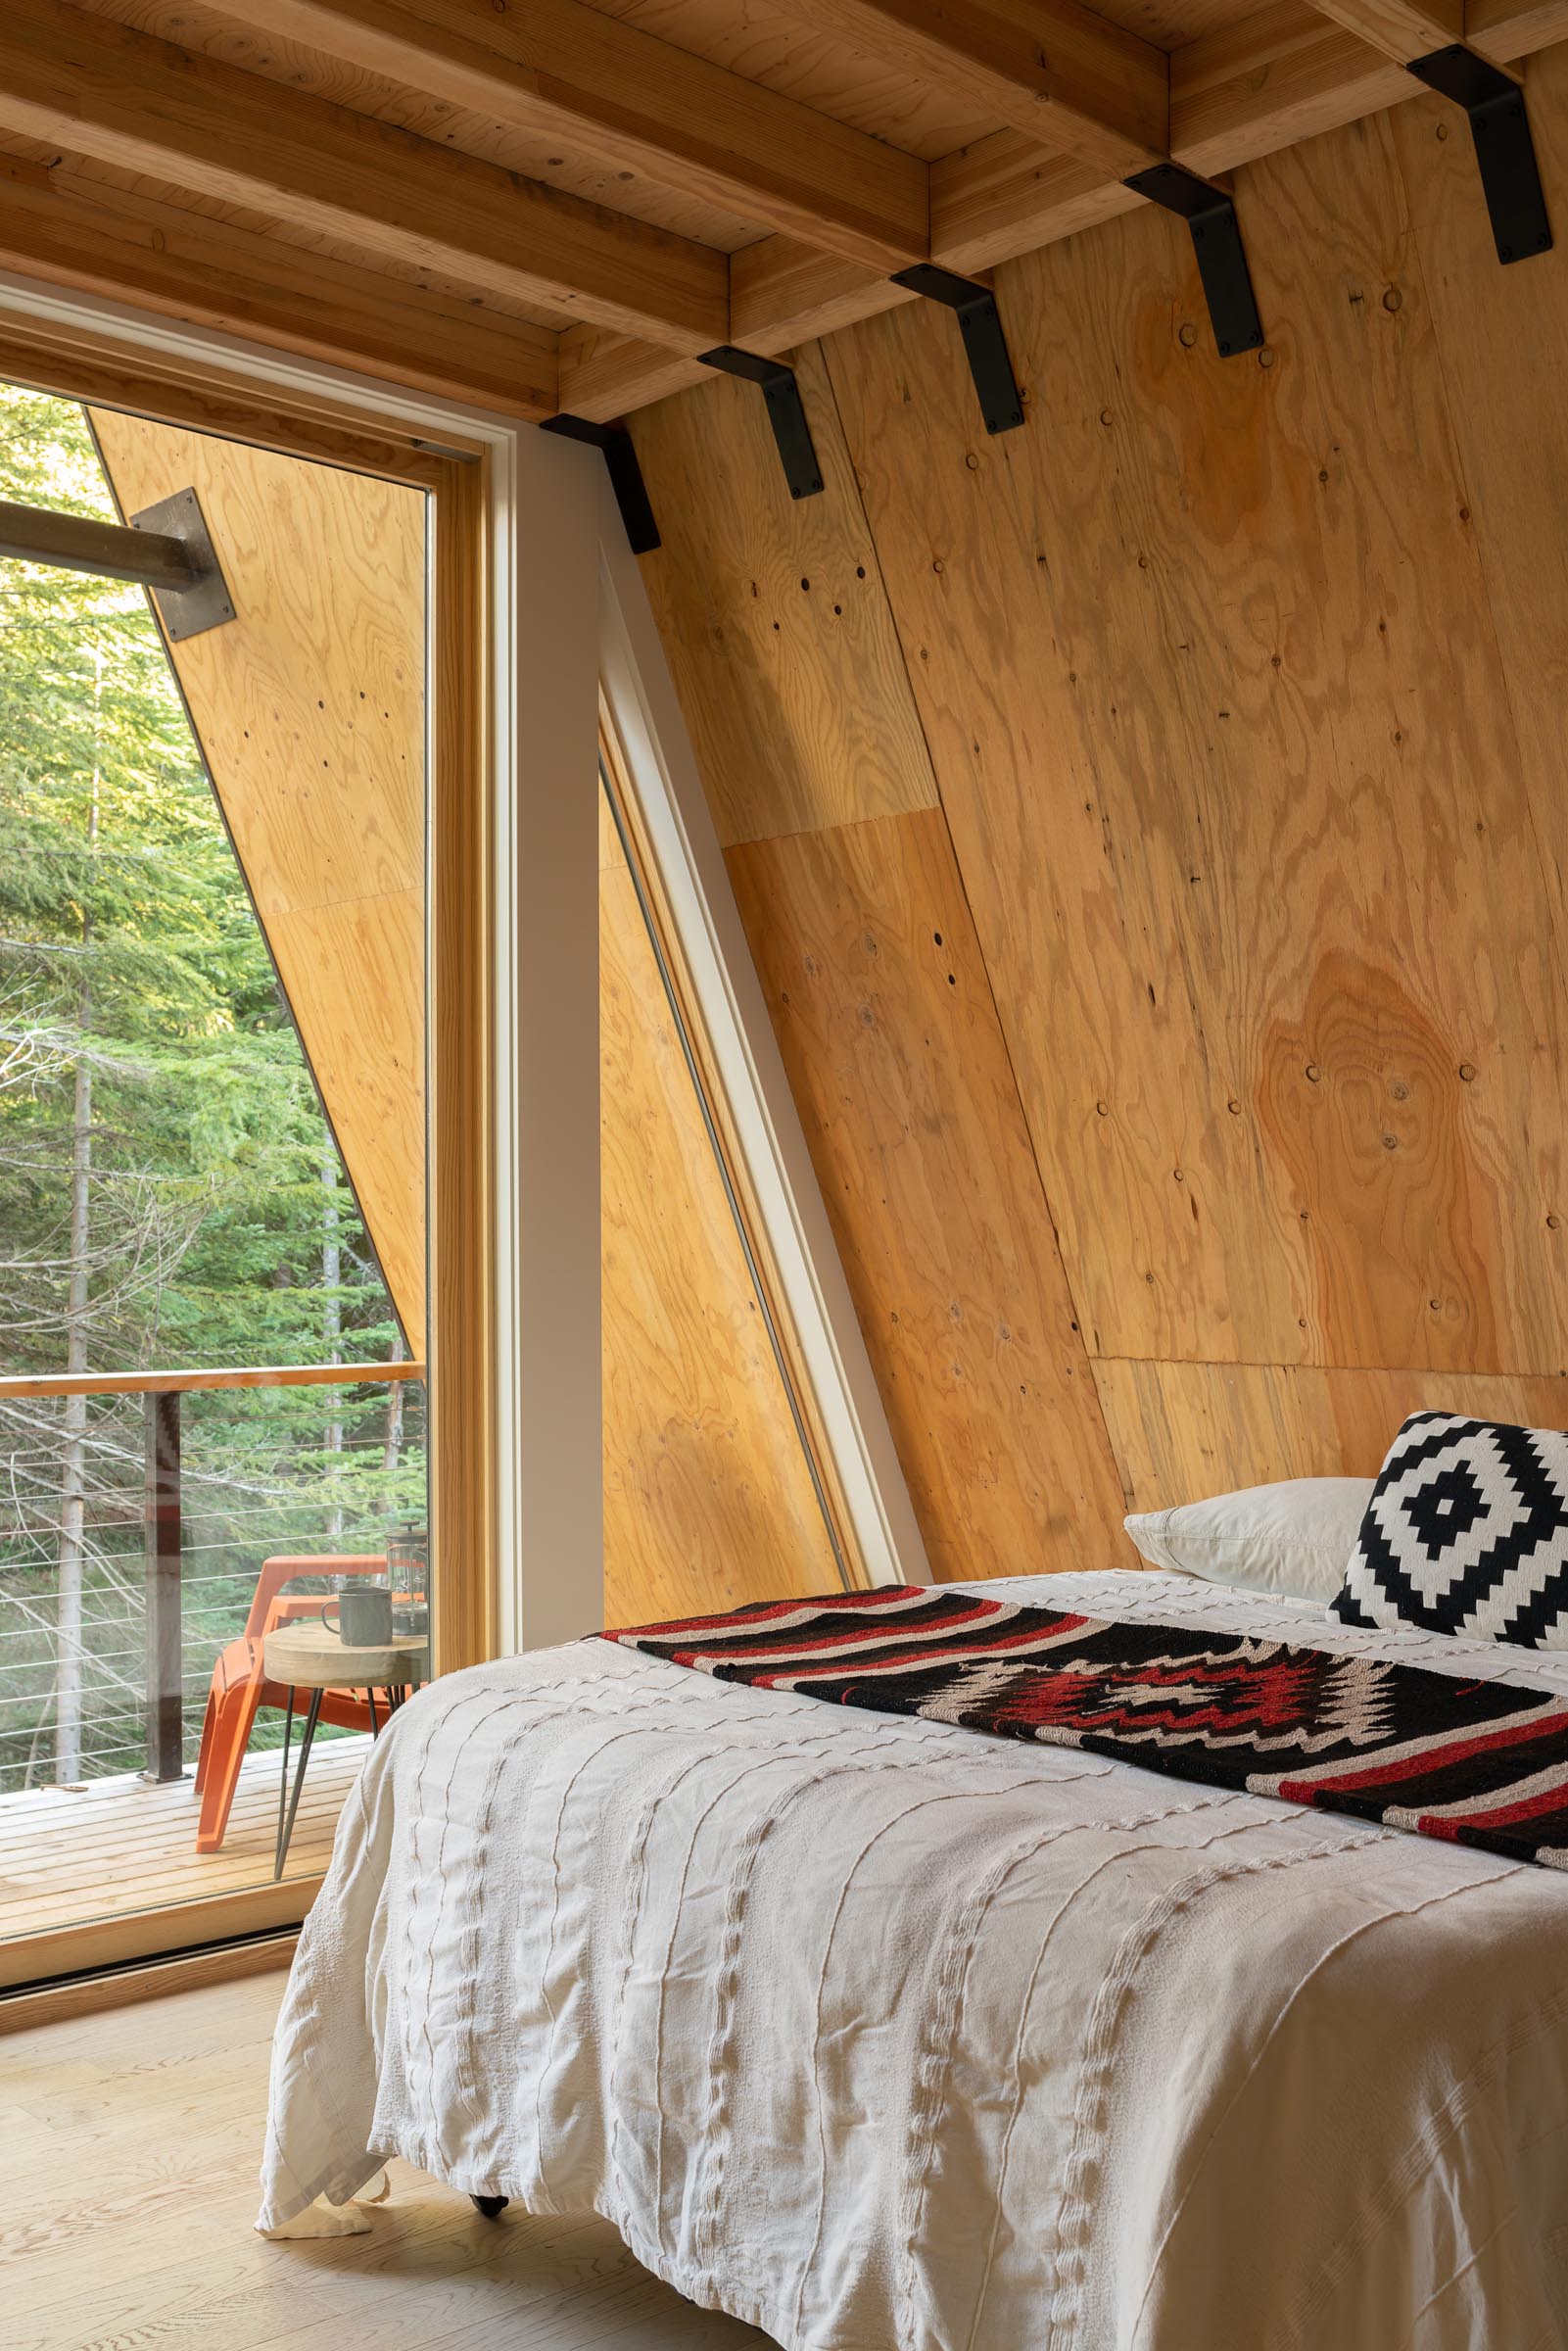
(1504,149)
(984,344)
(626,475)
(1216,241)
(785,411)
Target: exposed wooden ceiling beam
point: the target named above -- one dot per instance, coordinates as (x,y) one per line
(786,294)
(633,101)
(782,294)
(70,230)
(1237,94)
(1071,79)
(605,375)
(147,106)
(1001,196)
(1282,75)
(1526,27)
(1285,75)
(1400,29)
(648,302)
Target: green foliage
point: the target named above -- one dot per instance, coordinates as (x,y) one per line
(128,946)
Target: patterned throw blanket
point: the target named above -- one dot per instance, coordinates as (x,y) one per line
(1476,1762)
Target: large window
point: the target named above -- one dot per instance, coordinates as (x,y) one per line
(212,1154)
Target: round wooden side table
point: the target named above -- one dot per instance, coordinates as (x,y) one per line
(309,1656)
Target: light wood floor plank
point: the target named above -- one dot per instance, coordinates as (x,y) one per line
(133,2140)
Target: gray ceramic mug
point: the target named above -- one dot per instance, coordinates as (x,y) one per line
(365,1616)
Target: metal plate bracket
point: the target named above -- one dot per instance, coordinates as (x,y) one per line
(984,344)
(785,411)
(1504,149)
(1216,241)
(207,603)
(626,475)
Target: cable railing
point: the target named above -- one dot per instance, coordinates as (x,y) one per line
(118,1592)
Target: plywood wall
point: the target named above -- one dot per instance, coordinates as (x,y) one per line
(310,710)
(1152,831)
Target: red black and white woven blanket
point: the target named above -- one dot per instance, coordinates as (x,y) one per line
(1475,1762)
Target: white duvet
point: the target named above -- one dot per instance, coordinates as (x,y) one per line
(889,2037)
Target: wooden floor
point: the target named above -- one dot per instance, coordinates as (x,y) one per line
(113,1846)
(133,2138)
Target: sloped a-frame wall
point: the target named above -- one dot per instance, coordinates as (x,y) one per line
(1151,830)
(708,1502)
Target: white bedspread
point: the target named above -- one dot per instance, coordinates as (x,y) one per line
(889,2037)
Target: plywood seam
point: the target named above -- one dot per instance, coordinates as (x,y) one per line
(1483,573)
(359,897)
(1029,1131)
(825,354)
(750,1228)
(1484,576)
(1456,453)
(997,1442)
(962,884)
(1300,1364)
(1123,1468)
(1034,1157)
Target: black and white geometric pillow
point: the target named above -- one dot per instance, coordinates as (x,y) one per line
(1466,1532)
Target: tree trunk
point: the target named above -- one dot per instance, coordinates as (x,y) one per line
(392,1445)
(73,1472)
(73,1467)
(332,1319)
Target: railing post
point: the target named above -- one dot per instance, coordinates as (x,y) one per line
(165,1695)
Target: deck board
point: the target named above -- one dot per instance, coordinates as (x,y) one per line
(117,1846)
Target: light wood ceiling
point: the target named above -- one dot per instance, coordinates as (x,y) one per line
(544,205)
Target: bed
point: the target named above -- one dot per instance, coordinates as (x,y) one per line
(885,2036)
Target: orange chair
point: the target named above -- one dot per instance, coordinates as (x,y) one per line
(239,1686)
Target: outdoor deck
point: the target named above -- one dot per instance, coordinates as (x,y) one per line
(117,1846)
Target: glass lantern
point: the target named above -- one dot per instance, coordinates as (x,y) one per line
(409,1573)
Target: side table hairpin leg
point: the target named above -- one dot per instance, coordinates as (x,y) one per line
(283,1787)
(312,1716)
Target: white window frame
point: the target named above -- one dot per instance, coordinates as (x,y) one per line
(696,883)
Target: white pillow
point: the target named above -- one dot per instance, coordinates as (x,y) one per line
(1294,1538)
